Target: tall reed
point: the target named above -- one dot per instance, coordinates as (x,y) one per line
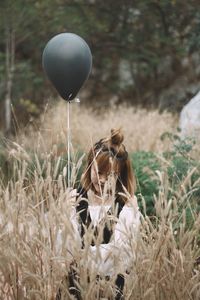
(142,128)
(37,242)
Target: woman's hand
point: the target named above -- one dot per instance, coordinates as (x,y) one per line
(72,195)
(132,202)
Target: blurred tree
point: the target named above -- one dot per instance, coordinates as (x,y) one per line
(15,16)
(137,46)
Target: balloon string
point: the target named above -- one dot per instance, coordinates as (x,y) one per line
(68,144)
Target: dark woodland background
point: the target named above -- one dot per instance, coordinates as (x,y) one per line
(145,53)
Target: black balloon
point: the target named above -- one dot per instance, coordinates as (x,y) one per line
(67,61)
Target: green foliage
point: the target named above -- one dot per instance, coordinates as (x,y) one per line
(181,161)
(180,168)
(145,165)
(29,106)
(194,37)
(143,33)
(183,175)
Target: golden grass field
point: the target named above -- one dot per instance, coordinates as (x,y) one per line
(142,129)
(35,205)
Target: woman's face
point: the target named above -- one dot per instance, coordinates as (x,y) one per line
(104,181)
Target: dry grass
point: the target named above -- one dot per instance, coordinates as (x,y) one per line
(33,263)
(142,128)
(34,209)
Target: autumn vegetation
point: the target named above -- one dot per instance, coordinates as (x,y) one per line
(35,205)
(145,68)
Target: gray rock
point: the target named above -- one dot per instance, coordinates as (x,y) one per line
(190,118)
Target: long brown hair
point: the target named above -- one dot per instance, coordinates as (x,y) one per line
(102,151)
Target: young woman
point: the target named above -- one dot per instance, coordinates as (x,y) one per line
(107,214)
